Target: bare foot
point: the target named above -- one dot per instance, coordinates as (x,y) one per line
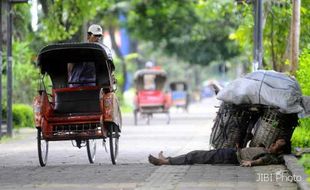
(157,161)
(161,155)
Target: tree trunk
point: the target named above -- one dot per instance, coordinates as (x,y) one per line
(44,4)
(295,26)
(119,54)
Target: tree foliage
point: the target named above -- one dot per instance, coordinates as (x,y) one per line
(276,44)
(63,19)
(194,31)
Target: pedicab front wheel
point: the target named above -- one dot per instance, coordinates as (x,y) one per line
(113,135)
(42,148)
(91,150)
(135,115)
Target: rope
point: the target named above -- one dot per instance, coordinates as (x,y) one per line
(260,88)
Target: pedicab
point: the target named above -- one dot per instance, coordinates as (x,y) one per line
(150,96)
(179,94)
(83,111)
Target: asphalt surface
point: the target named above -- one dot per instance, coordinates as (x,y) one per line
(68,166)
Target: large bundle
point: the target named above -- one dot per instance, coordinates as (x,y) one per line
(266,88)
(231,125)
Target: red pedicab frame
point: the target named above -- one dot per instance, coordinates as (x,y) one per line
(148,106)
(81,114)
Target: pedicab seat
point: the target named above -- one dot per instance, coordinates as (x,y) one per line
(77,101)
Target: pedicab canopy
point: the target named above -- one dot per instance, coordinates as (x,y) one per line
(178,86)
(53,60)
(150,79)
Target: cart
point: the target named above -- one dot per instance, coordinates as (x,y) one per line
(81,111)
(179,94)
(150,96)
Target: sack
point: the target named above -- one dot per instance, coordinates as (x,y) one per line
(263,87)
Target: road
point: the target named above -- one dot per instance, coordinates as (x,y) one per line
(68,166)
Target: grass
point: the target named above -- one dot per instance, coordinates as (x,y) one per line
(301,135)
(18,134)
(5,138)
(305,161)
(301,139)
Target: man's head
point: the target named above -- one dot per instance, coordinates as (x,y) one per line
(94,33)
(281,145)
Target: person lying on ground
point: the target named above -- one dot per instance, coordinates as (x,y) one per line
(251,156)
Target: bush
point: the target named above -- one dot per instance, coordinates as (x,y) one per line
(301,135)
(305,161)
(22,115)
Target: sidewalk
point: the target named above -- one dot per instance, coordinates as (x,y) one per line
(145,176)
(217,177)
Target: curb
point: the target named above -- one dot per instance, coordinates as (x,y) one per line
(296,169)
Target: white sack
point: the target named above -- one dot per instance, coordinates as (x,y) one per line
(267,88)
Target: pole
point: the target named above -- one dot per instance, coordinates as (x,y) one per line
(9,65)
(258,35)
(1,38)
(255,63)
(9,71)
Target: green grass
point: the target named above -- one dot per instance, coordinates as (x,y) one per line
(301,135)
(305,161)
(4,139)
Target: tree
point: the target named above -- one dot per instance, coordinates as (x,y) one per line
(276,38)
(112,23)
(61,20)
(195,31)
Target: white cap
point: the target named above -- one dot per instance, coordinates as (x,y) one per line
(149,64)
(95,29)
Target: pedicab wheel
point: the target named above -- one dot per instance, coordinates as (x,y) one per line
(113,135)
(42,148)
(168,118)
(135,115)
(148,119)
(91,150)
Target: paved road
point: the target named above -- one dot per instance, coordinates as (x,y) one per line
(68,166)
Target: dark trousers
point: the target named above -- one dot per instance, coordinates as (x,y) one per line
(219,156)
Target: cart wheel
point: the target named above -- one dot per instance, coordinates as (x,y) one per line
(135,114)
(113,141)
(91,150)
(42,148)
(168,118)
(148,119)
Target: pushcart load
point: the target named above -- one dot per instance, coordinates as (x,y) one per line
(264,87)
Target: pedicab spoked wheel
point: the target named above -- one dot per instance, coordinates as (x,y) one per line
(42,148)
(113,135)
(148,119)
(168,118)
(91,150)
(135,114)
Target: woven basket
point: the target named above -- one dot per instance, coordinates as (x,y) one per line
(271,125)
(231,124)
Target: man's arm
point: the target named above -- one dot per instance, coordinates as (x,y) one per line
(249,163)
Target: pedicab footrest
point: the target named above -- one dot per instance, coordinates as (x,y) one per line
(152,109)
(89,129)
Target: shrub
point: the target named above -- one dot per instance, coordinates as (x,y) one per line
(22,116)
(305,161)
(301,135)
